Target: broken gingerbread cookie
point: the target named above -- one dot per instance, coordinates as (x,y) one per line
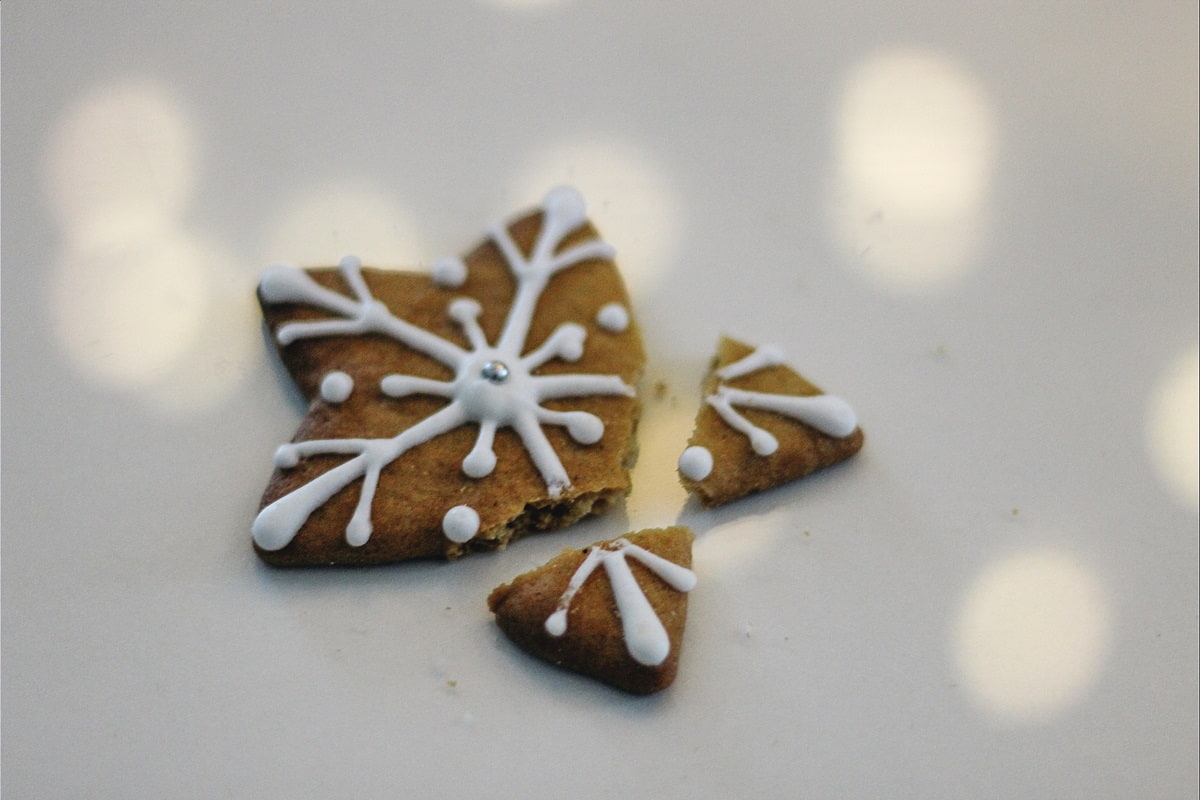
(614,612)
(453,410)
(762,424)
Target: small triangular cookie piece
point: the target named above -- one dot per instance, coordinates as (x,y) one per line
(614,611)
(762,424)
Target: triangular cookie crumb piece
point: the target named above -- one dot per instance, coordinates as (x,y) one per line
(762,424)
(614,611)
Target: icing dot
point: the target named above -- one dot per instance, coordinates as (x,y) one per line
(570,341)
(358,532)
(283,283)
(613,318)
(585,428)
(567,205)
(396,385)
(696,463)
(556,624)
(479,463)
(449,272)
(771,354)
(460,523)
(286,457)
(763,443)
(336,387)
(463,309)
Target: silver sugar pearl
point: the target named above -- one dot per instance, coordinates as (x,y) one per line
(495,371)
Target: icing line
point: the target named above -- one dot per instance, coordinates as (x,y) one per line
(762,357)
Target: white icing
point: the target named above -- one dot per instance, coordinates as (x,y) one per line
(449,272)
(827,413)
(761,441)
(286,457)
(480,393)
(336,387)
(696,463)
(460,524)
(645,637)
(763,357)
(278,523)
(613,317)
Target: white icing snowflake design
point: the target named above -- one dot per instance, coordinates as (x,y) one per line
(827,413)
(645,637)
(493,386)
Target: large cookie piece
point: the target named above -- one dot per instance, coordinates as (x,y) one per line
(762,424)
(615,611)
(453,410)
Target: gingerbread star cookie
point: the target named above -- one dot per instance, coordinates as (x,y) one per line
(456,409)
(762,424)
(615,611)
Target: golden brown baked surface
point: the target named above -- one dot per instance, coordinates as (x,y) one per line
(594,643)
(416,490)
(737,469)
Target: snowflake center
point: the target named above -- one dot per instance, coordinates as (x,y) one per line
(494,388)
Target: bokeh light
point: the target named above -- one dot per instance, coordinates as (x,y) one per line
(1173,427)
(630,199)
(326,221)
(141,301)
(128,144)
(1032,634)
(129,297)
(915,143)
